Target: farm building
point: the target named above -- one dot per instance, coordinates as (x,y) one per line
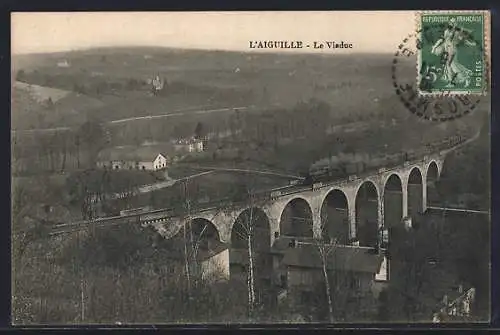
(133,160)
(189,145)
(299,269)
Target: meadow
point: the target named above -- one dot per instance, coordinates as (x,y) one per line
(206,79)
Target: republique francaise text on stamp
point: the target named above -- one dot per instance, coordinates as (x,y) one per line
(451,57)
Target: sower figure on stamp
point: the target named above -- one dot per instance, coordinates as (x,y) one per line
(447,47)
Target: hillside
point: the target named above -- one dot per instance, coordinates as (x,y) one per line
(35,106)
(41,93)
(352,84)
(107,85)
(466,173)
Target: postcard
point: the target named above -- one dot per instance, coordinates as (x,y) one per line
(250,167)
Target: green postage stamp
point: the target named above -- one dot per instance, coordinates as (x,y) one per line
(452,53)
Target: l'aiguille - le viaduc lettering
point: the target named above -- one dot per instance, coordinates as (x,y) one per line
(299,45)
(243,168)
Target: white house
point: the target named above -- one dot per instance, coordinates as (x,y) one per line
(160,162)
(157,83)
(63,63)
(189,145)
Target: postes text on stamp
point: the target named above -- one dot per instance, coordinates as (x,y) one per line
(451,57)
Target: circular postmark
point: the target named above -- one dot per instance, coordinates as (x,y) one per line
(420,75)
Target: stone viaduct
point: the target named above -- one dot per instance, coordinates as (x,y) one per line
(411,177)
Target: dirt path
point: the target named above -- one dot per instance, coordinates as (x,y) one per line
(148,117)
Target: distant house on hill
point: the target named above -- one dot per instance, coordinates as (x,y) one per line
(63,63)
(189,145)
(157,84)
(133,161)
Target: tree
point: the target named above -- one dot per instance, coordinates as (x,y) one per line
(64,140)
(49,103)
(245,228)
(87,190)
(192,237)
(91,138)
(79,88)
(25,230)
(251,233)
(421,273)
(21,75)
(324,250)
(186,229)
(325,247)
(199,131)
(133,84)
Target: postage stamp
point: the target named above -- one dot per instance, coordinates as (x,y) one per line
(440,106)
(452,53)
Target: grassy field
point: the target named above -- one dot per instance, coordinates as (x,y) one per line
(31,109)
(356,83)
(41,93)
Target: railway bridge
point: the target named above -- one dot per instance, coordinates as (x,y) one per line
(348,209)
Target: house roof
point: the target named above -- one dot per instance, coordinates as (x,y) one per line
(345,258)
(164,155)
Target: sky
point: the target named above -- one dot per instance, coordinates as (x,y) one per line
(65,31)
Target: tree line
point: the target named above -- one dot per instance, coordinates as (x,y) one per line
(59,150)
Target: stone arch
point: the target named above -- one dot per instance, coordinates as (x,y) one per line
(205,233)
(296,218)
(371,181)
(432,170)
(367,208)
(432,177)
(437,164)
(393,200)
(260,222)
(400,176)
(335,216)
(222,220)
(415,191)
